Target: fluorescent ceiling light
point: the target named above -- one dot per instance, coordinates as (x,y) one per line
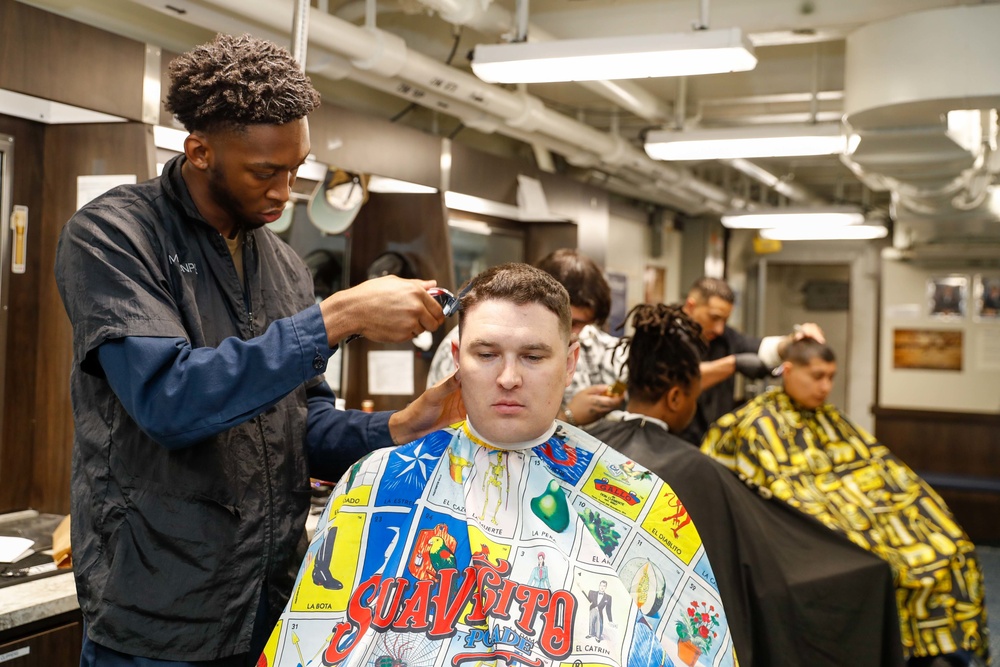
(471,226)
(472,204)
(825,233)
(395,186)
(793,216)
(746,142)
(611,58)
(49,112)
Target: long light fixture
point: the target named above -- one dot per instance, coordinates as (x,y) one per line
(826,233)
(388,185)
(746,142)
(794,217)
(612,58)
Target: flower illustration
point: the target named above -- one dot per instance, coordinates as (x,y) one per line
(699,629)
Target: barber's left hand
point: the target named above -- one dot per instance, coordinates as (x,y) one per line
(436,408)
(591,403)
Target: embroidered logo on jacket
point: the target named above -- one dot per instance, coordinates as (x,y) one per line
(185,267)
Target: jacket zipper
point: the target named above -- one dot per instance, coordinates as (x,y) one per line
(249,250)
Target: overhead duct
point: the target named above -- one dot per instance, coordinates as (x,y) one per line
(901,97)
(491,18)
(379,53)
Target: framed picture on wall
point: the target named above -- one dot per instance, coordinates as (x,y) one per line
(654,284)
(987,303)
(930,349)
(947,296)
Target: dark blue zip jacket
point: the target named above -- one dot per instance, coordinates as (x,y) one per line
(171,544)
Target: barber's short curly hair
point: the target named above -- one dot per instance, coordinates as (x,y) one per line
(232,82)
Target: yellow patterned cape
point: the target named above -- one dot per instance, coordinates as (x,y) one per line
(826,467)
(448,552)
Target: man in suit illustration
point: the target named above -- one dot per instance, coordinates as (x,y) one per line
(600,605)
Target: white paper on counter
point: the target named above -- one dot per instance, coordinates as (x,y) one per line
(13,549)
(390,372)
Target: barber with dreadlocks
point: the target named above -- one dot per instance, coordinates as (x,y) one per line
(199,405)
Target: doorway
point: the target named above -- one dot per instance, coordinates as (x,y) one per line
(799,292)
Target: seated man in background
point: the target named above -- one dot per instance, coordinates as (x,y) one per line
(588,397)
(796,594)
(792,446)
(438,542)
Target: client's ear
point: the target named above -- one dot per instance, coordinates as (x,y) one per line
(675,397)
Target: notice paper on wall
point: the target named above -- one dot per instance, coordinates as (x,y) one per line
(89,188)
(13,549)
(989,349)
(390,372)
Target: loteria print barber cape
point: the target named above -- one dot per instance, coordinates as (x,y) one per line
(450,552)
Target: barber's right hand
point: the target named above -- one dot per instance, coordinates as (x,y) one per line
(386,310)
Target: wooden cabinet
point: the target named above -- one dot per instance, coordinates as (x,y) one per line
(54,642)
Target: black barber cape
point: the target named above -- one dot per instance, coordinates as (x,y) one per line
(796,593)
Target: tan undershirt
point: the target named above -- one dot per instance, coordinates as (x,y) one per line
(236,250)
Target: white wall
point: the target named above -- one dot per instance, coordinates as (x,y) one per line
(785,307)
(976,388)
(857,376)
(628,252)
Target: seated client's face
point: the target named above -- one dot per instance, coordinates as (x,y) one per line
(515,364)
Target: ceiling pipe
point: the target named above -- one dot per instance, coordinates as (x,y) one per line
(386,55)
(300,32)
(494,19)
(789,189)
(944,189)
(656,192)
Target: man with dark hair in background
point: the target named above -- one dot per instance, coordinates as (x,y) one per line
(796,594)
(590,395)
(794,448)
(199,402)
(710,303)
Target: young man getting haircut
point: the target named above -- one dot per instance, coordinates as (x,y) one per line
(438,542)
(589,396)
(795,448)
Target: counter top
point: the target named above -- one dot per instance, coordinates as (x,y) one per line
(36,600)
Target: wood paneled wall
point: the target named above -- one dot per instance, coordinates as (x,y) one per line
(69,151)
(55,58)
(17,446)
(961,450)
